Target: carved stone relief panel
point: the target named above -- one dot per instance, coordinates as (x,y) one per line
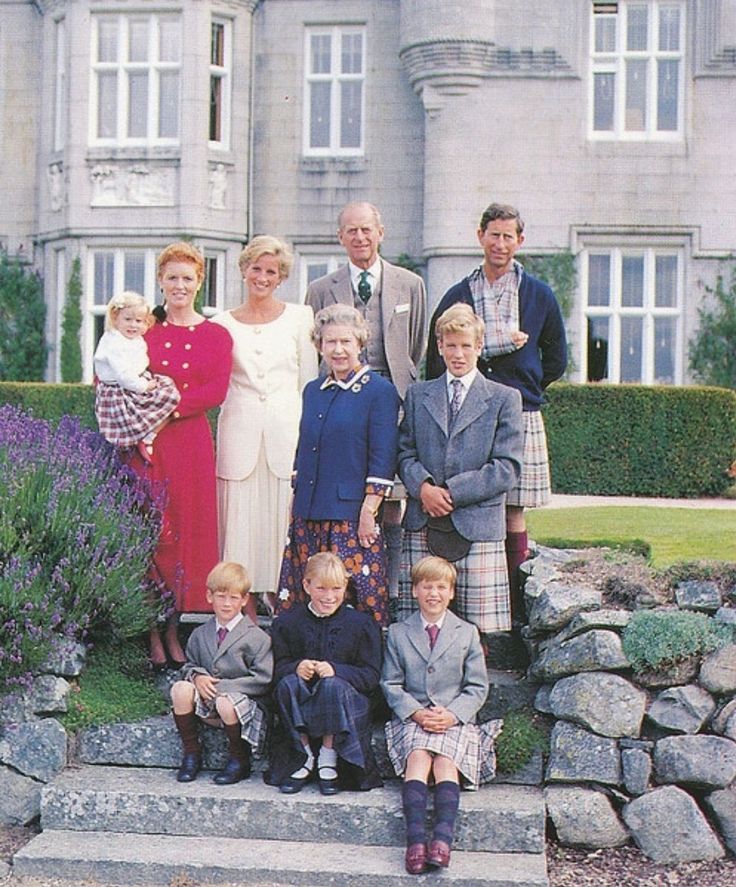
(132,184)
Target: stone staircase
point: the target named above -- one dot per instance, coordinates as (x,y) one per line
(134,825)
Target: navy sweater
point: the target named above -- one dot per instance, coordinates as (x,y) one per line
(529,369)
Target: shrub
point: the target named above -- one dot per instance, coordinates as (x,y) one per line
(113,688)
(77,532)
(520,737)
(640,440)
(70,348)
(711,351)
(22,319)
(657,639)
(52,401)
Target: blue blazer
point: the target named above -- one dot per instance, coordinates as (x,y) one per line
(348,437)
(478,461)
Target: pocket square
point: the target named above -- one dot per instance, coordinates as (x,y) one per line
(402,309)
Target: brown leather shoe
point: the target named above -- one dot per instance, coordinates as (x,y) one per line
(416,859)
(438,854)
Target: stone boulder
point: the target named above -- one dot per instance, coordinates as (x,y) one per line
(67,659)
(636,767)
(702,761)
(682,709)
(668,826)
(20,798)
(595,650)
(724,723)
(36,748)
(604,703)
(718,671)
(722,807)
(583,817)
(558,603)
(576,755)
(705,597)
(613,620)
(726,616)
(49,694)
(150,743)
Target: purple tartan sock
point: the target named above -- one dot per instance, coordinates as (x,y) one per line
(446,803)
(414,802)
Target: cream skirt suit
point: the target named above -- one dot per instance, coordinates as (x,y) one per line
(257,435)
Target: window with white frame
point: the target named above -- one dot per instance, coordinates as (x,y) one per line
(213,287)
(312,267)
(60,91)
(136,62)
(632,315)
(637,71)
(335,90)
(111,271)
(220,79)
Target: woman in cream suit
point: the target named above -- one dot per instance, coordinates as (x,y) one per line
(273,359)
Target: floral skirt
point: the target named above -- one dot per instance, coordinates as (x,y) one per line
(365,566)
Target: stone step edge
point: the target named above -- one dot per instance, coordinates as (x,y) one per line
(499,818)
(155,859)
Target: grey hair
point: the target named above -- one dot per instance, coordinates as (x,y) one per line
(340,315)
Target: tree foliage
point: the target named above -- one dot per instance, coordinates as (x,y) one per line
(712,350)
(22,319)
(70,358)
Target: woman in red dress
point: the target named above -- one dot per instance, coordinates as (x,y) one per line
(196,354)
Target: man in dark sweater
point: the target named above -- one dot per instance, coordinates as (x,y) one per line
(525,347)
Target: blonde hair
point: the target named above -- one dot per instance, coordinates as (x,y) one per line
(265,245)
(229,576)
(433,569)
(328,567)
(127,299)
(460,318)
(181,251)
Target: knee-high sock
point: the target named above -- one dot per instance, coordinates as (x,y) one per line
(414,802)
(517,551)
(446,803)
(238,748)
(189,733)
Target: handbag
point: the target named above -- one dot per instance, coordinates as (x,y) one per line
(443,540)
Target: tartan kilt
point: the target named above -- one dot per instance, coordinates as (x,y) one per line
(469,746)
(533,489)
(251,716)
(482,589)
(126,417)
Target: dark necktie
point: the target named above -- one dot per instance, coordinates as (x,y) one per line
(456,400)
(364,287)
(432,631)
(221,635)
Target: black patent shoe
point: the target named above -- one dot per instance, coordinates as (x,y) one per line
(191,764)
(292,785)
(234,771)
(327,786)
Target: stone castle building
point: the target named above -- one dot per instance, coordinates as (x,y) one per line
(125,124)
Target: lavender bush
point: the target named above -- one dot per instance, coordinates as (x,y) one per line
(77,532)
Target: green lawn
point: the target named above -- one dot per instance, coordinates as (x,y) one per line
(674,534)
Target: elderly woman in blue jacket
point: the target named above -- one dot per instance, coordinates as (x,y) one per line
(344,466)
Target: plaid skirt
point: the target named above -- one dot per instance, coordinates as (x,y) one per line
(251,716)
(126,417)
(469,746)
(533,489)
(482,589)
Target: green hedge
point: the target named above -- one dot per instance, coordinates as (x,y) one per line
(605,440)
(637,440)
(47,401)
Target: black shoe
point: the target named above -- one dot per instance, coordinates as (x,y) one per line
(234,771)
(191,764)
(291,785)
(327,786)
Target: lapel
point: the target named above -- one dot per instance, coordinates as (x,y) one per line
(232,637)
(435,402)
(446,637)
(340,287)
(417,635)
(389,292)
(476,402)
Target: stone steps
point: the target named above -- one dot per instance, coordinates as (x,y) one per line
(138,825)
(111,857)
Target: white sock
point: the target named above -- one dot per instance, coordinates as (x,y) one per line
(327,763)
(306,767)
